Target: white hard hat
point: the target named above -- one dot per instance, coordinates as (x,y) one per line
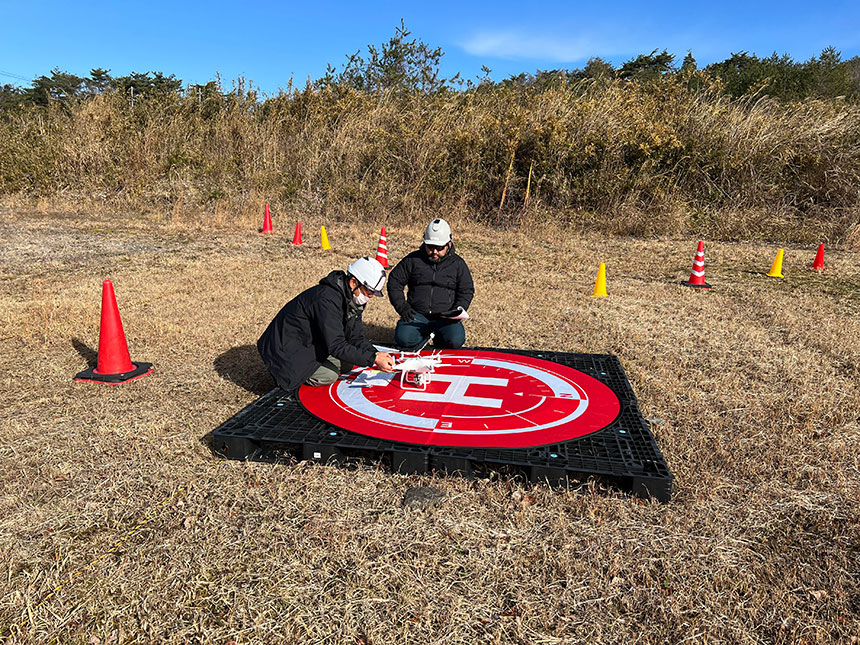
(368,272)
(438,233)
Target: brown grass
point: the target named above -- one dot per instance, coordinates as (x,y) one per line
(756,385)
(636,158)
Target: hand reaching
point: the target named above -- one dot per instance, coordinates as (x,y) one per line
(384,361)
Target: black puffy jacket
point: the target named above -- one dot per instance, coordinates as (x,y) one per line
(434,287)
(319,322)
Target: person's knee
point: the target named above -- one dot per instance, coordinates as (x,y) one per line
(407,336)
(325,374)
(318,380)
(450,336)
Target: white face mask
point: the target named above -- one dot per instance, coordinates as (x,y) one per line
(360,299)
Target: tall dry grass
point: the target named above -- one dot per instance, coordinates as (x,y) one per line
(628,157)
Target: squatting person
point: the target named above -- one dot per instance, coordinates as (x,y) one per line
(319,334)
(439,287)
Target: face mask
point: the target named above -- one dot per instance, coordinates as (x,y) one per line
(360,299)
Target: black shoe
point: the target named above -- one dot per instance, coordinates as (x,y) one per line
(287,397)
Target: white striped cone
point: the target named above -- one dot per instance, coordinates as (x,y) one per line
(382,250)
(697,275)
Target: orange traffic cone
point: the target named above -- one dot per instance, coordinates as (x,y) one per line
(267,221)
(382,249)
(114,364)
(297,237)
(818,265)
(697,275)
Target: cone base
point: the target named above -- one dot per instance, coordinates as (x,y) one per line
(704,285)
(90,375)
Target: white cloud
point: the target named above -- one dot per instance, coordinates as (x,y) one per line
(604,40)
(513,44)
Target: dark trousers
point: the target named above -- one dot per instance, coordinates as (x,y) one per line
(449,334)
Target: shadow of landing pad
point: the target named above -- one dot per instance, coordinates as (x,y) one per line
(540,416)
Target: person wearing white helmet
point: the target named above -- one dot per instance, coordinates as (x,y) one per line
(439,290)
(319,334)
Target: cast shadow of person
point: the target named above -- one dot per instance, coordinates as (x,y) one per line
(379,335)
(243,366)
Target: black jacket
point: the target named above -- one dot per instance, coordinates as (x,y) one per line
(433,287)
(319,322)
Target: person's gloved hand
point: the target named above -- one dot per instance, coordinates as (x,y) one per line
(407,314)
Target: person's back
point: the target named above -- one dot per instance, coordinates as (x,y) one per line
(322,327)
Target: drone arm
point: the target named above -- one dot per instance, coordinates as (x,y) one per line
(432,336)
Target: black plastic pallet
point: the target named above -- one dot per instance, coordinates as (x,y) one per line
(275,428)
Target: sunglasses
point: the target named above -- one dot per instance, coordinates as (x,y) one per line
(433,247)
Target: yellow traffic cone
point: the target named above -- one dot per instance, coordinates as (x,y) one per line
(776,267)
(600,283)
(325,245)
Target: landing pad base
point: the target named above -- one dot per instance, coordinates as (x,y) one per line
(624,454)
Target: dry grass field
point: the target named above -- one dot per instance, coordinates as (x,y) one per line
(119,525)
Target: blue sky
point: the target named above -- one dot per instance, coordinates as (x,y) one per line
(268,41)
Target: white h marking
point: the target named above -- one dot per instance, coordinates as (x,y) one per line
(456,392)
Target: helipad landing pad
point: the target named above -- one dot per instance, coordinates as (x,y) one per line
(559,418)
(476,398)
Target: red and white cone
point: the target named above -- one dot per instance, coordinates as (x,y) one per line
(382,249)
(697,275)
(114,364)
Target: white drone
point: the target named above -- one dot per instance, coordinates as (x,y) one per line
(416,370)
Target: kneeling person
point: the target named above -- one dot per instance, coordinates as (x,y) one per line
(438,284)
(319,334)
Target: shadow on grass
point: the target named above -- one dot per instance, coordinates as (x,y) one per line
(379,335)
(243,366)
(86,352)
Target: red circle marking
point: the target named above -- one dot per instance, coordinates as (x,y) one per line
(475,398)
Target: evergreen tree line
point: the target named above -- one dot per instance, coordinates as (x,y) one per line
(62,86)
(742,74)
(411,66)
